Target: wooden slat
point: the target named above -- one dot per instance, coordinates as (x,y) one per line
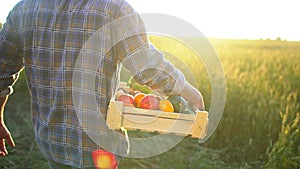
(200,126)
(114,116)
(157,113)
(150,123)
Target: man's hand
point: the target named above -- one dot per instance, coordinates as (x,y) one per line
(5,136)
(193,96)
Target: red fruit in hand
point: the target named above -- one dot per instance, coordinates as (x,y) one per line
(150,101)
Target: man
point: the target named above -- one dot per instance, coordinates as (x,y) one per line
(46,38)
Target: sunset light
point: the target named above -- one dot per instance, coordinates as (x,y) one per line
(222,19)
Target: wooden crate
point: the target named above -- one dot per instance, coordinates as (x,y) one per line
(157,121)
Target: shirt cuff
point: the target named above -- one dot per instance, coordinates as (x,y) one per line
(179,85)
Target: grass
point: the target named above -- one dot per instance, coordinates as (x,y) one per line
(286,151)
(259,129)
(17,115)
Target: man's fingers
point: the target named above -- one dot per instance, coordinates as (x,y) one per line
(10,140)
(5,136)
(3,151)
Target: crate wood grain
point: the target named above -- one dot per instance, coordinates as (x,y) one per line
(157,121)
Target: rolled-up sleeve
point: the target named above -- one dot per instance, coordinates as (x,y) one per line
(11,60)
(146,64)
(149,67)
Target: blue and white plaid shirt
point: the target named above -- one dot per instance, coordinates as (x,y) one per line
(47,37)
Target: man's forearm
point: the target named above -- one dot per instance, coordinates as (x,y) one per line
(3,101)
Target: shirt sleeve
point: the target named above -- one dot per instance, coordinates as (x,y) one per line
(146,64)
(11,60)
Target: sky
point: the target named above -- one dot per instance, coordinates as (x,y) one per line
(237,19)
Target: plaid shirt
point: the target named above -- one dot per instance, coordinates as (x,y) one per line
(49,38)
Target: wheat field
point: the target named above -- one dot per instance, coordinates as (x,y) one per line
(260,124)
